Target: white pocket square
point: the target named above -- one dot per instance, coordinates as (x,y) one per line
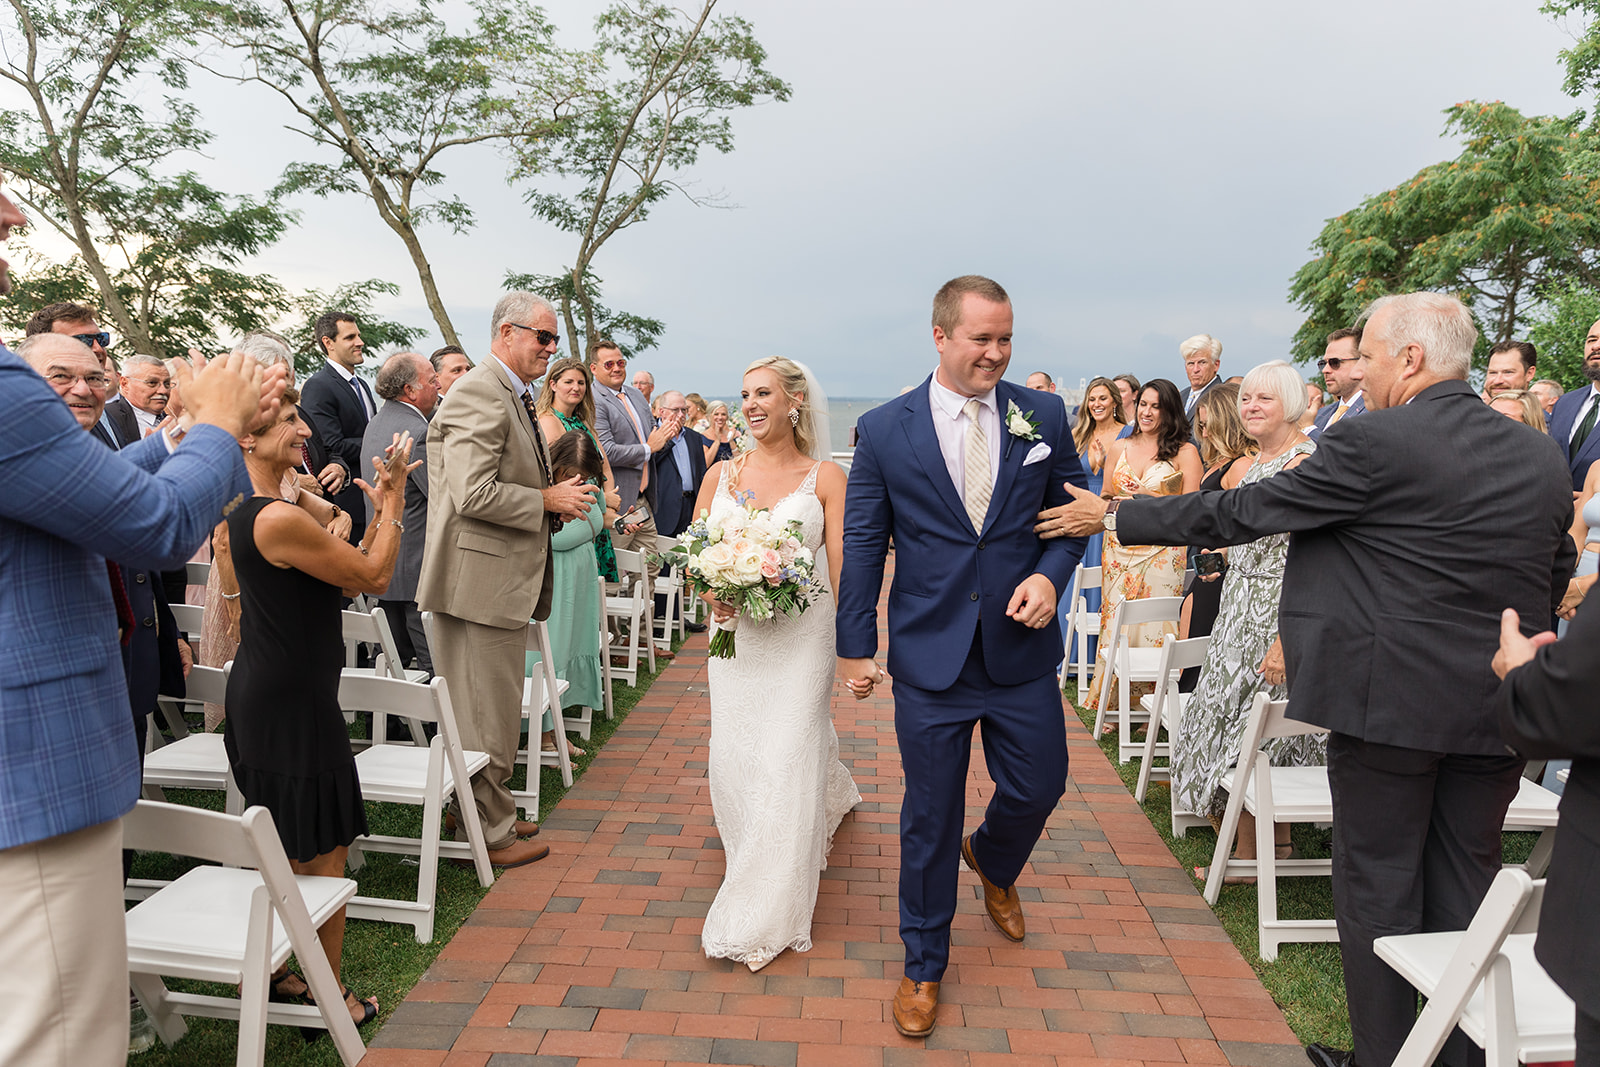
(1038,452)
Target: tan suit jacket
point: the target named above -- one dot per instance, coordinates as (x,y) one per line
(487,558)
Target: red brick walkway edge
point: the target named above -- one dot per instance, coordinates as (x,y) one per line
(592,956)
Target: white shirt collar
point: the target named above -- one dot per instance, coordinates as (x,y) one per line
(1353,398)
(527,387)
(341,370)
(951,402)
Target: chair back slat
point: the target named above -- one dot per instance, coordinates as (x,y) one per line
(154,826)
(359,691)
(1151,609)
(1278,724)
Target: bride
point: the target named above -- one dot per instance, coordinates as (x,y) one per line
(778,789)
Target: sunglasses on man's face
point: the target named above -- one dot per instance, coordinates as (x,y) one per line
(544,337)
(89,340)
(1333,361)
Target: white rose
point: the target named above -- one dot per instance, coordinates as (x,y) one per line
(802,554)
(1018,425)
(762,529)
(715,562)
(733,524)
(747,566)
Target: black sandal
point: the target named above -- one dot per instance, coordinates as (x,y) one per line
(278,994)
(369,1012)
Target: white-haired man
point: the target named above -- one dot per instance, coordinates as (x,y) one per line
(492,507)
(1389,620)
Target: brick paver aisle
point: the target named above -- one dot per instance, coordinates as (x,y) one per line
(593,955)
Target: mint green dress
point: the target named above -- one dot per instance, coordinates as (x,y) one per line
(575,612)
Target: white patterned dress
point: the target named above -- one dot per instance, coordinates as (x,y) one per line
(778,790)
(1205,746)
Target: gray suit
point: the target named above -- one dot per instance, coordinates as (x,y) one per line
(627,451)
(399,600)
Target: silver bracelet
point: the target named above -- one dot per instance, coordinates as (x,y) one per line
(229,596)
(398,523)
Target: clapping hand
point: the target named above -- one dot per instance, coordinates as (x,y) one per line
(391,468)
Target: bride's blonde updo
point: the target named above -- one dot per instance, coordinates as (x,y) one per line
(793,381)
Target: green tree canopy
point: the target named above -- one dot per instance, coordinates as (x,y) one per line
(1559,328)
(632,333)
(158,251)
(672,81)
(357,298)
(1515,214)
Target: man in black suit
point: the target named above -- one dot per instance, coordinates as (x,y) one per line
(1547,711)
(1577,414)
(681,463)
(339,404)
(1399,564)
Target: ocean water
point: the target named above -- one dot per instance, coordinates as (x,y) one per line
(843,411)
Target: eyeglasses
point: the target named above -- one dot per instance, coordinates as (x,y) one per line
(153,383)
(544,337)
(1334,362)
(63,380)
(613,364)
(102,339)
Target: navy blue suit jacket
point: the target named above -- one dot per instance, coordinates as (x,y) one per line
(1327,411)
(67,756)
(948,578)
(331,406)
(673,512)
(1562,418)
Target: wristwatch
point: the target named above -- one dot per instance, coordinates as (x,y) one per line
(1110,519)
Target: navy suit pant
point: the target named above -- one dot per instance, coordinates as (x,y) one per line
(1025,748)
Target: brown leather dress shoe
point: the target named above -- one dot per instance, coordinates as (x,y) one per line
(523,829)
(518,853)
(915,1004)
(1005,908)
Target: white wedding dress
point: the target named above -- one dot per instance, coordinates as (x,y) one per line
(778,789)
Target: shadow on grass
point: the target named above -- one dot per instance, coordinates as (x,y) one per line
(381,959)
(1306,980)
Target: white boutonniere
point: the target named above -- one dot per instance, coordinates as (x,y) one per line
(1019,424)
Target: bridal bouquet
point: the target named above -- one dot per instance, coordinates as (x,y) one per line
(749,559)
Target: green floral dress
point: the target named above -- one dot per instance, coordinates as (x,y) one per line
(604,554)
(1205,745)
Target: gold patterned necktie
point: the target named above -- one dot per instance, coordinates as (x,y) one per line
(1338,413)
(978,483)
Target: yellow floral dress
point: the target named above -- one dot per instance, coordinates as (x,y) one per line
(1135,572)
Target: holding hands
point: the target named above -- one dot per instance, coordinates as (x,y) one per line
(861,676)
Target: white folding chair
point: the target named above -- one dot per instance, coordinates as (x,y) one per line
(425,777)
(197,573)
(1486,980)
(233,925)
(196,760)
(671,587)
(1128,665)
(1165,707)
(190,619)
(371,627)
(633,607)
(1273,795)
(1082,624)
(536,703)
(605,651)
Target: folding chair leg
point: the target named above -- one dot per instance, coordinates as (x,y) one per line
(1266,862)
(1539,858)
(257,976)
(152,993)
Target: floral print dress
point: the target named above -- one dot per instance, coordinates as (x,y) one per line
(1205,744)
(1136,572)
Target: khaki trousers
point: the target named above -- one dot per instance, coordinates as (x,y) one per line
(64,982)
(484,667)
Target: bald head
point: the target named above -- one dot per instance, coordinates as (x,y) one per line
(72,370)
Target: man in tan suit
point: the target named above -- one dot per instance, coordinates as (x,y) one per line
(486,568)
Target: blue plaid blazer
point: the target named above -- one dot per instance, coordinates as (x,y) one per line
(67,756)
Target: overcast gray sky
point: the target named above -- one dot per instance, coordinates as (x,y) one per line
(1132,173)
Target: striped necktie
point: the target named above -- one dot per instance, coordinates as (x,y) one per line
(977,478)
(538,446)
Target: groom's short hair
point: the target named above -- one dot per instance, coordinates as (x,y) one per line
(947,301)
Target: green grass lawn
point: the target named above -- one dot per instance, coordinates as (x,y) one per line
(1306,980)
(381,959)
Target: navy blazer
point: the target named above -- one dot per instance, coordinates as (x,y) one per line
(340,421)
(947,577)
(1562,418)
(674,513)
(1327,411)
(67,755)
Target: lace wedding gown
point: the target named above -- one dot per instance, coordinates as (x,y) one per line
(778,789)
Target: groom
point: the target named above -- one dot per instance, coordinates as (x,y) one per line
(954,471)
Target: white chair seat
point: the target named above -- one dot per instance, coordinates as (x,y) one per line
(1534,808)
(1544,1014)
(398,774)
(1299,794)
(1147,703)
(539,698)
(198,761)
(197,926)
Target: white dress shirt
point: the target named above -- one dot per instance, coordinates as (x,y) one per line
(950,424)
(146,420)
(1588,401)
(362,389)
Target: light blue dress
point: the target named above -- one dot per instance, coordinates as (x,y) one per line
(575,612)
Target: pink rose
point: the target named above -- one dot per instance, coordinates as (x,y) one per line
(771,566)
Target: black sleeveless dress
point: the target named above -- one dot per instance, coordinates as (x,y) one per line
(286,738)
